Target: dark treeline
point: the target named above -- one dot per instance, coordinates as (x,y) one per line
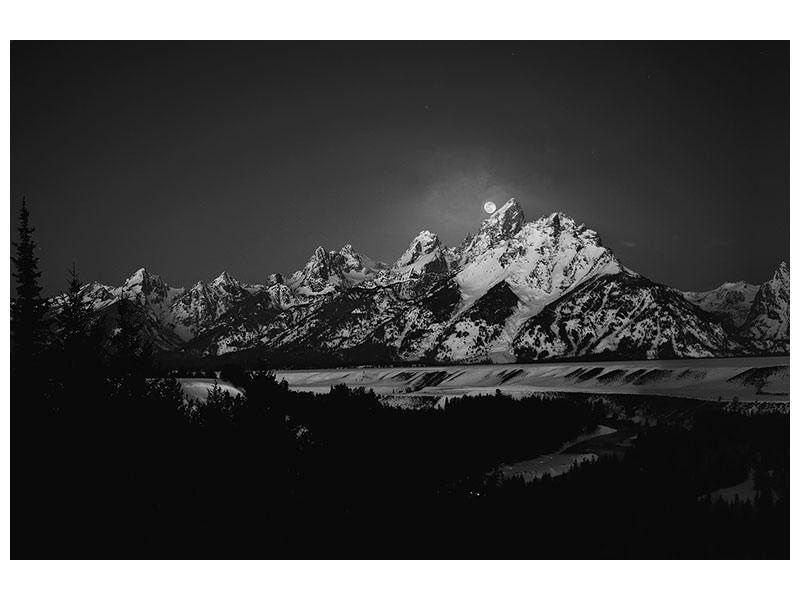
(653,501)
(280,474)
(110,459)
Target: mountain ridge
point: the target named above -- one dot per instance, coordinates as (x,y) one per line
(547,288)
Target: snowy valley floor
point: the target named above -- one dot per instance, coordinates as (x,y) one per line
(747,379)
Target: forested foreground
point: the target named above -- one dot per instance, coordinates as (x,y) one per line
(135,470)
(111,460)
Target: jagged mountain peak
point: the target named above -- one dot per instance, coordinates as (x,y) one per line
(224,279)
(140,276)
(423,244)
(559,220)
(506,220)
(355,266)
(352,258)
(781,275)
(558,216)
(318,262)
(426,235)
(558,225)
(510,211)
(221,284)
(782,272)
(544,258)
(151,293)
(329,270)
(147,285)
(768,319)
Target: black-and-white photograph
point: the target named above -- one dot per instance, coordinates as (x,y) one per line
(399,299)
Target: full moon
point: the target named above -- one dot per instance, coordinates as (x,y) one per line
(489,207)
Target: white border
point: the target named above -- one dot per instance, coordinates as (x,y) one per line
(410,19)
(414,19)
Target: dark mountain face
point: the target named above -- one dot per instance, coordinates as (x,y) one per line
(516,290)
(473,332)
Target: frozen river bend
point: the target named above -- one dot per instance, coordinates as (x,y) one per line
(750,379)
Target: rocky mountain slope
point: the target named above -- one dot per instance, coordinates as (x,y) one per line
(623,317)
(767,323)
(515,290)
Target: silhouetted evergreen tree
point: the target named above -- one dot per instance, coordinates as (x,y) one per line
(79,368)
(131,354)
(126,344)
(129,360)
(28,324)
(76,314)
(35,424)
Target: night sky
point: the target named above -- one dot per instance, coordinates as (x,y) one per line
(194,158)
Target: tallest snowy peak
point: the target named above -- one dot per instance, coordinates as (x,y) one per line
(511,207)
(504,224)
(506,221)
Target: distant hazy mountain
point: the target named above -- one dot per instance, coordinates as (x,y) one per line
(545,289)
(730,300)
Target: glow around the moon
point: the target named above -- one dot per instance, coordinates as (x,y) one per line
(489,207)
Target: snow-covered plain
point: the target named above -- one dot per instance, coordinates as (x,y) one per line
(197,388)
(746,379)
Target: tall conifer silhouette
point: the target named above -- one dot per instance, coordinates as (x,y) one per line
(28,325)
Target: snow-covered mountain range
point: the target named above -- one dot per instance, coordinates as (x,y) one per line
(516,290)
